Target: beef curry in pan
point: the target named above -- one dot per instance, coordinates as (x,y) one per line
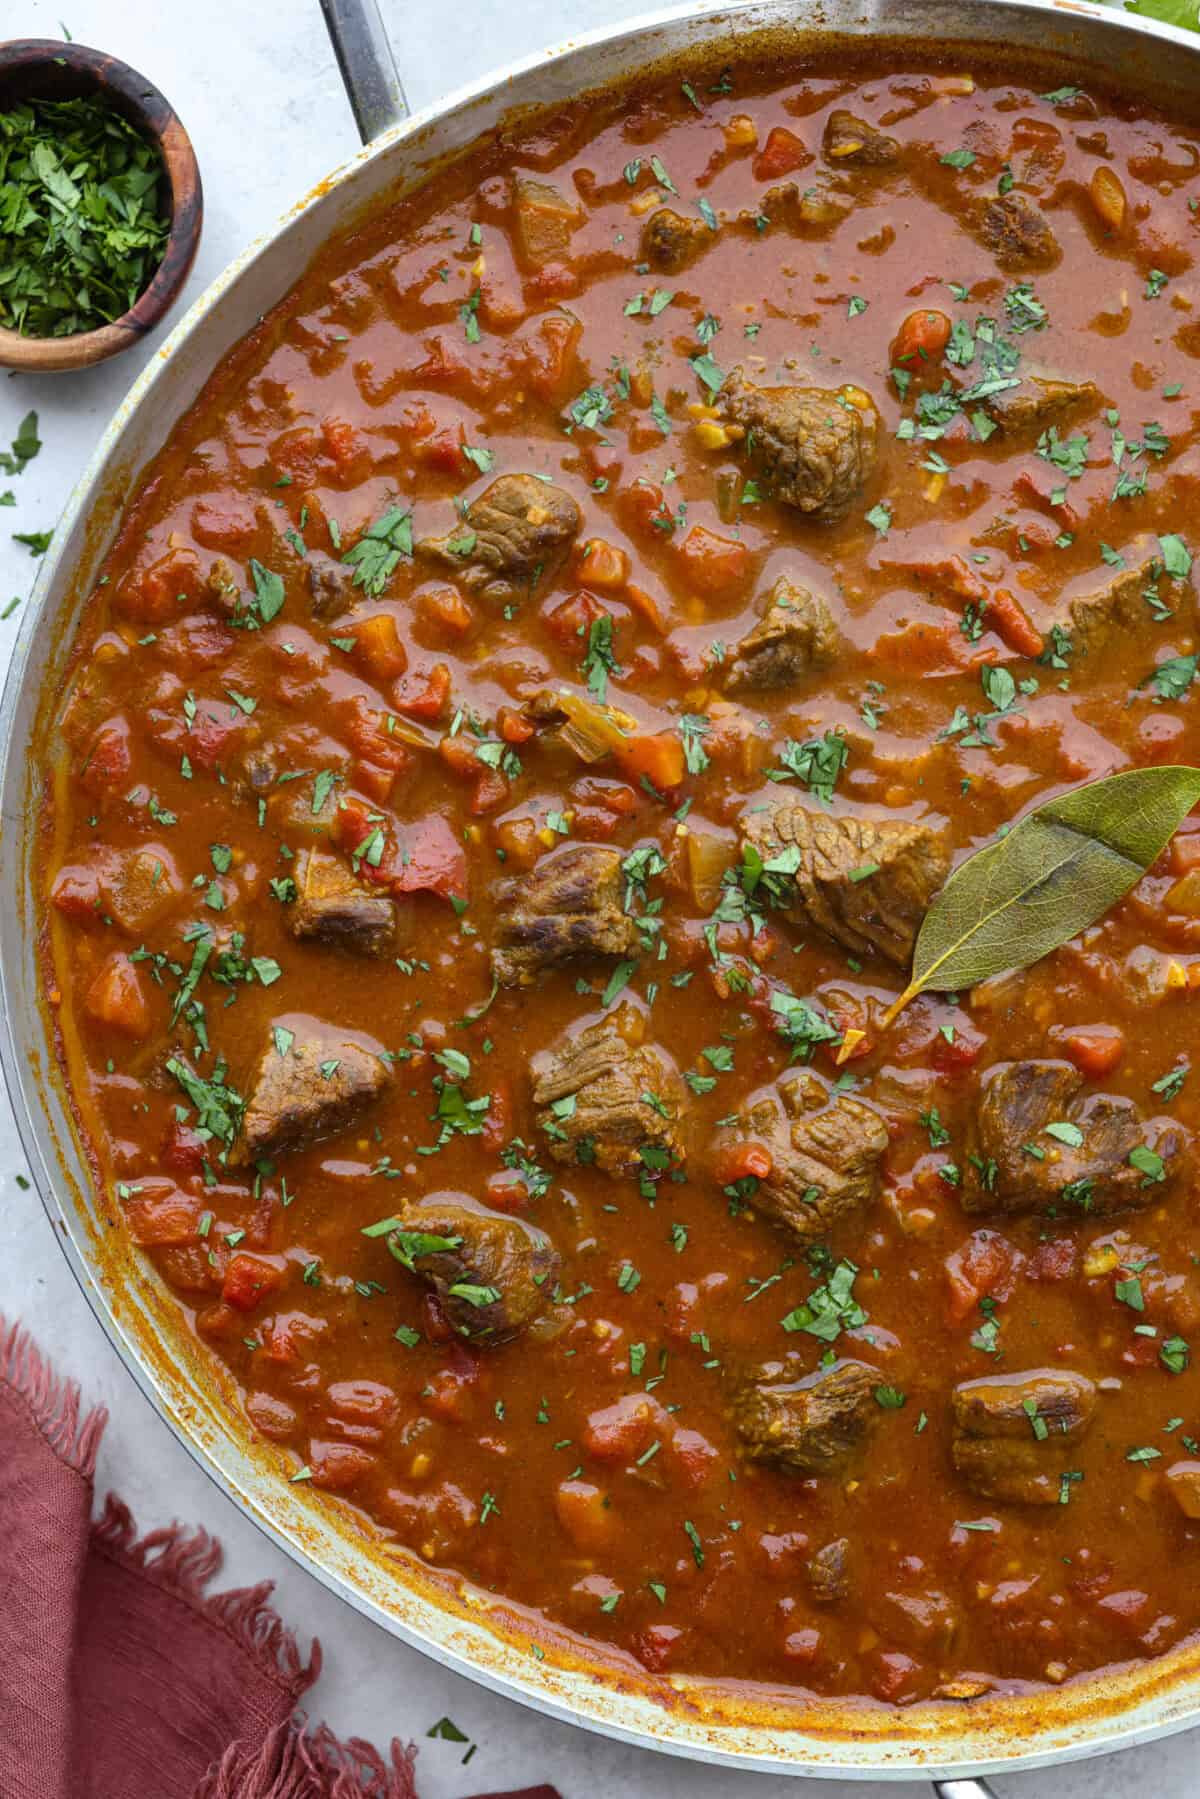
(534,702)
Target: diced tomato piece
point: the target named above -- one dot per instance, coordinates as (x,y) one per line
(423,695)
(507,1192)
(248,1281)
(569,620)
(352,824)
(584,1513)
(1009,620)
(1053,1261)
(450,1393)
(659,758)
(431,860)
(952,1055)
(346,450)
(986,1264)
(212,734)
(153,595)
(712,564)
(109,757)
(1126,1610)
(895,1674)
(336,1467)
(497,1120)
(1095,1052)
(514,726)
(224,521)
(446,611)
(550,354)
(377,647)
(738,1161)
(657,1645)
(184,1150)
(458,753)
(76,893)
(782,153)
(491,790)
(620,1431)
(638,505)
(443,451)
(115,998)
(157,1213)
(368,736)
(921,338)
(694,1456)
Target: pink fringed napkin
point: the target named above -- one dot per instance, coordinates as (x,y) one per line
(121,1677)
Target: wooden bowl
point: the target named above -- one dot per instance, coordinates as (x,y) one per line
(45,69)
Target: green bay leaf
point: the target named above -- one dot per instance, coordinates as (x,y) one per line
(1056,872)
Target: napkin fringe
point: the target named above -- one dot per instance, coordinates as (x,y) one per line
(54,1403)
(183,1561)
(300,1763)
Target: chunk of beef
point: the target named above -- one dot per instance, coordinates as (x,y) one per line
(829,1573)
(671,242)
(568,905)
(1012,1432)
(543,220)
(812,1426)
(331,584)
(494,1275)
(852,143)
(818,867)
(1092,1177)
(813,210)
(811,447)
(1038,403)
(824,1151)
(1094,619)
(333,908)
(517,533)
(311,1081)
(600,1093)
(1017,234)
(795,635)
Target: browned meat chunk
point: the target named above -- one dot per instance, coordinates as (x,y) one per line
(1120,606)
(311,1080)
(494,1275)
(1037,1143)
(867,883)
(811,447)
(601,1092)
(795,635)
(1011,1433)
(333,908)
(828,1572)
(1016,233)
(1183,1484)
(543,221)
(824,1153)
(811,1426)
(1038,403)
(331,584)
(852,143)
(671,242)
(568,905)
(517,533)
(812,210)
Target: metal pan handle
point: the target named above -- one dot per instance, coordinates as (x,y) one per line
(367,66)
(963,1789)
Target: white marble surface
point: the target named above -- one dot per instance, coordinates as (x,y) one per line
(257,88)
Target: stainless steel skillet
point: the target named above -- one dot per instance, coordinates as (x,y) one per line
(948,1744)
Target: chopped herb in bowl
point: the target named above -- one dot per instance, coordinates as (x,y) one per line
(82,220)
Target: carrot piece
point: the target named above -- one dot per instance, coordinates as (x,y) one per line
(377,647)
(922,337)
(1012,625)
(115,998)
(658,759)
(739,1161)
(1095,1053)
